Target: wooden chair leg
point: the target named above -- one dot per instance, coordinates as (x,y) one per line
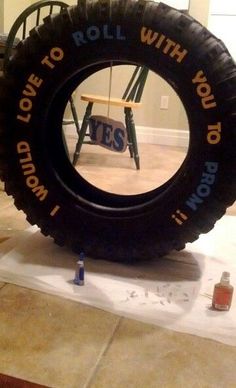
(74,114)
(82,132)
(129,135)
(132,133)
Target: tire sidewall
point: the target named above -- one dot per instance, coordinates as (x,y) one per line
(81,206)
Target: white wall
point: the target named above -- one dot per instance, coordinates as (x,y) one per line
(222,22)
(149,114)
(199,9)
(1,15)
(178,4)
(12,9)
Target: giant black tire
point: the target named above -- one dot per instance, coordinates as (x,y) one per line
(34,165)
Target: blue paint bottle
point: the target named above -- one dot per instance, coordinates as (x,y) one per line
(79,272)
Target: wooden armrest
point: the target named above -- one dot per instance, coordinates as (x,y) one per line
(112,101)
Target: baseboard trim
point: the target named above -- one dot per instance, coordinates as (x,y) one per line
(162,136)
(149,135)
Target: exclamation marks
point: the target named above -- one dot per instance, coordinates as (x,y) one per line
(179,217)
(54,211)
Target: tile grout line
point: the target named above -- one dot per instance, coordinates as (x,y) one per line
(102,354)
(2,286)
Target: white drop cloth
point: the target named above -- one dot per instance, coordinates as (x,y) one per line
(174,292)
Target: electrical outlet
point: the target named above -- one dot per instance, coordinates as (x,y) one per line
(164,102)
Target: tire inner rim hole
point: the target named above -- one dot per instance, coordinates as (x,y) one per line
(161,128)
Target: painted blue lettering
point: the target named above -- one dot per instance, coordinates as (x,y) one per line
(93,128)
(211,167)
(204,188)
(119,35)
(118,143)
(106,135)
(79,38)
(209,179)
(193,201)
(94,33)
(106,32)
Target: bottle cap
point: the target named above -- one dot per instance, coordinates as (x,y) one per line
(226,274)
(225,278)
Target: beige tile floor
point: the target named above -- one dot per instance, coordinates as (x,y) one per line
(59,343)
(116,172)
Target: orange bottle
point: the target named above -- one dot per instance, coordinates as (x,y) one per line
(223,293)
